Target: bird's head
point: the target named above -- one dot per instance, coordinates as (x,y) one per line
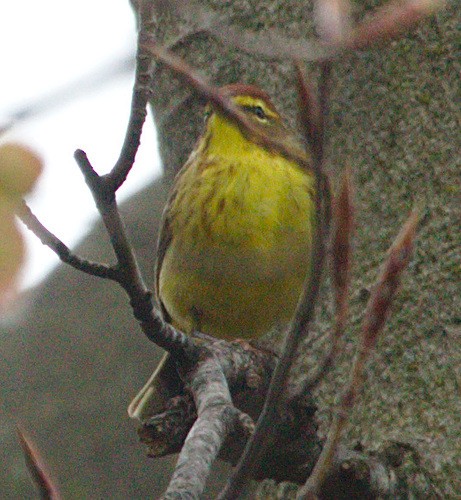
(253,101)
(225,137)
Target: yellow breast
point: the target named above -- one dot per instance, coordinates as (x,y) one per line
(240,246)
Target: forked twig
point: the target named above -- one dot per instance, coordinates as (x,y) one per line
(128,273)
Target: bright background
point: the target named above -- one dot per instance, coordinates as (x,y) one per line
(80,57)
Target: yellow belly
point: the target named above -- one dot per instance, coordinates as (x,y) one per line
(240,247)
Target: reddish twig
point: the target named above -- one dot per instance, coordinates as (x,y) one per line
(333,23)
(40,476)
(375,316)
(390,21)
(341,273)
(308,110)
(224,105)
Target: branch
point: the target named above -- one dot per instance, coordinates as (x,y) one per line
(341,264)
(386,23)
(140,97)
(40,476)
(377,310)
(128,273)
(226,107)
(60,249)
(216,418)
(294,436)
(248,372)
(390,21)
(272,44)
(103,188)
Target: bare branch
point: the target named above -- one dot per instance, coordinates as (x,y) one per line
(60,249)
(272,44)
(40,476)
(333,23)
(343,211)
(129,274)
(375,316)
(217,417)
(140,97)
(341,267)
(309,109)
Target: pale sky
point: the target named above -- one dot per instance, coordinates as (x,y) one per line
(46,46)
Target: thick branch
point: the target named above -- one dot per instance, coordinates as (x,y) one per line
(295,445)
(216,418)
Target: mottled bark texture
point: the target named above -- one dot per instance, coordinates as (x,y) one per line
(72,362)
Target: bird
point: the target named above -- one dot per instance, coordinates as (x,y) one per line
(235,242)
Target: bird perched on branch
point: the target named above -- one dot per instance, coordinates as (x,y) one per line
(234,246)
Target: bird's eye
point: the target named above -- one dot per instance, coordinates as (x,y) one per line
(259,112)
(206,115)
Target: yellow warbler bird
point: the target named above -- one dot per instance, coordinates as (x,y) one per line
(234,247)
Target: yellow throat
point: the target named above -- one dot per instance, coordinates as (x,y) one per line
(235,246)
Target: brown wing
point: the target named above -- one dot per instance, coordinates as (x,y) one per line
(164,239)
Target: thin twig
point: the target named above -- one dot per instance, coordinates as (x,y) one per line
(60,249)
(40,476)
(140,97)
(390,21)
(297,331)
(341,273)
(270,44)
(225,106)
(375,316)
(309,109)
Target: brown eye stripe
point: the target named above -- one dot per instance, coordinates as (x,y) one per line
(256,110)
